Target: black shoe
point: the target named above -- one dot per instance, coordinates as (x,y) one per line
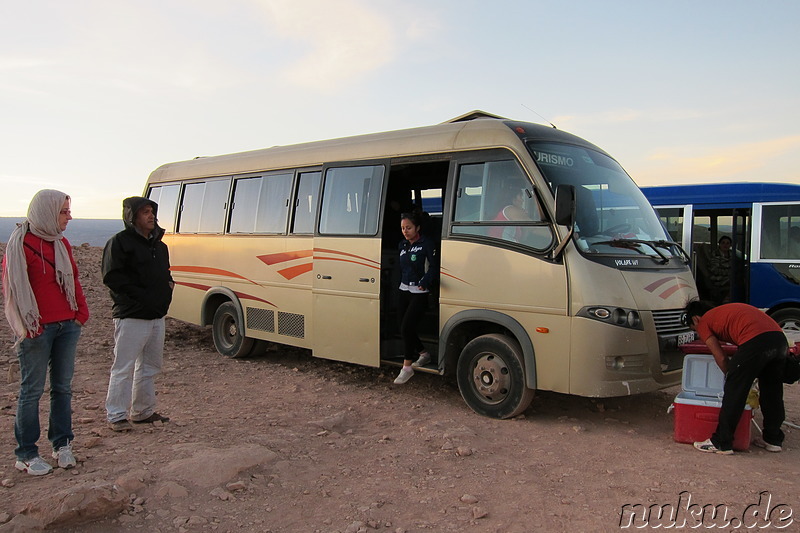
(155,417)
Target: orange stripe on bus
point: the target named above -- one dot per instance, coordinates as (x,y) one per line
(293,272)
(207,270)
(282,257)
(325,250)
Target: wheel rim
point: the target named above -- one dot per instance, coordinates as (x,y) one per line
(491,378)
(791,325)
(229,331)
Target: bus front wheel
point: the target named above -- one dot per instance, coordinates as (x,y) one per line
(491,377)
(228,333)
(788,319)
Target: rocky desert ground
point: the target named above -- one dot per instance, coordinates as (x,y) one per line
(287,443)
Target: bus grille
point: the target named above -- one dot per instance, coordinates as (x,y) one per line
(291,324)
(669,321)
(261,319)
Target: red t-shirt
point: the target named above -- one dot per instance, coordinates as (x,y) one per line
(52,302)
(735,323)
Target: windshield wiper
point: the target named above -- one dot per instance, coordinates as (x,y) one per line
(635,244)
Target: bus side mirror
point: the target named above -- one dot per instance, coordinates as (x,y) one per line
(565,205)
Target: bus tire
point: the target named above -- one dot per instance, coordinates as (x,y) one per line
(491,377)
(228,333)
(788,319)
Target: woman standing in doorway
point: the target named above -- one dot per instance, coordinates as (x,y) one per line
(45,306)
(419,271)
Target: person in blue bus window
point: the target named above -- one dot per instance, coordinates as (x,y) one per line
(419,272)
(719,266)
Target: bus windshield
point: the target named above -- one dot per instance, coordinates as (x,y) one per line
(613,217)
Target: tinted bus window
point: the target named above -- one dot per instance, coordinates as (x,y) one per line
(351,200)
(305,205)
(260,204)
(780,232)
(167,199)
(203,208)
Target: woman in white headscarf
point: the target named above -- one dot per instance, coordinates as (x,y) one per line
(45,306)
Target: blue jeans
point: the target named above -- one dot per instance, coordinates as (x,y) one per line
(54,348)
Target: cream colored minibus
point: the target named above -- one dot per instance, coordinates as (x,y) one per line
(298,244)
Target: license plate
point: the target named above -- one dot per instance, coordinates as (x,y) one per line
(685,337)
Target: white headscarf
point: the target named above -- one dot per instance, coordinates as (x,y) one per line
(21,309)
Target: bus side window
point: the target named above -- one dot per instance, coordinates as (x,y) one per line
(305,203)
(204,205)
(167,199)
(351,200)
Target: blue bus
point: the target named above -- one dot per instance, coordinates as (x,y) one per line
(762,221)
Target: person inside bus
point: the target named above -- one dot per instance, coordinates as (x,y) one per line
(45,306)
(761,353)
(719,271)
(794,242)
(513,211)
(419,272)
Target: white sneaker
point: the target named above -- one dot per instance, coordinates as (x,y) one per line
(405,375)
(423,360)
(761,443)
(35,467)
(66,459)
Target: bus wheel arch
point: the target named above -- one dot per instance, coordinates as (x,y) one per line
(491,376)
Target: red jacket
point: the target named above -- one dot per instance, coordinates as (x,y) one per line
(52,302)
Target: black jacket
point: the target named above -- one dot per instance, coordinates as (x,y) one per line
(419,263)
(136,269)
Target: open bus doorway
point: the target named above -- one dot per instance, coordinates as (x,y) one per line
(420,186)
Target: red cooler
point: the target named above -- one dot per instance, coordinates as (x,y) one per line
(698,404)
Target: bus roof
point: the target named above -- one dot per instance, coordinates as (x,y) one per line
(473,130)
(722,194)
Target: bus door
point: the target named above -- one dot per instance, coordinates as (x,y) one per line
(708,227)
(347,264)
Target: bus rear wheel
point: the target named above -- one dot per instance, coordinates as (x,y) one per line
(788,319)
(491,377)
(228,333)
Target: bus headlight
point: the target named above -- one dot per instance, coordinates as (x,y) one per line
(618,316)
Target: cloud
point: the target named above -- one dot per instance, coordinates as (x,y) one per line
(344,39)
(751,161)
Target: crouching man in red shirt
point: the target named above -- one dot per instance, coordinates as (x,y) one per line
(761,354)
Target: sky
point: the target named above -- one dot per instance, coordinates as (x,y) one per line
(96,94)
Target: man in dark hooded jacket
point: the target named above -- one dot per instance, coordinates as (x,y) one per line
(136,271)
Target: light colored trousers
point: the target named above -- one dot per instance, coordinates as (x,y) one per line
(138,353)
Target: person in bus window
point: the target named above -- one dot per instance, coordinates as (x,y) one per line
(513,211)
(136,272)
(761,353)
(794,242)
(719,267)
(46,307)
(419,272)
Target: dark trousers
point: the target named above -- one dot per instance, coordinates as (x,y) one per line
(761,357)
(410,309)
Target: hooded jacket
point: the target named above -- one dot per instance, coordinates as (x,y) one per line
(136,268)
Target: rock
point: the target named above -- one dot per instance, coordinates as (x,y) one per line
(77,505)
(236,485)
(479,512)
(172,490)
(8,483)
(469,498)
(133,481)
(210,467)
(222,494)
(463,451)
